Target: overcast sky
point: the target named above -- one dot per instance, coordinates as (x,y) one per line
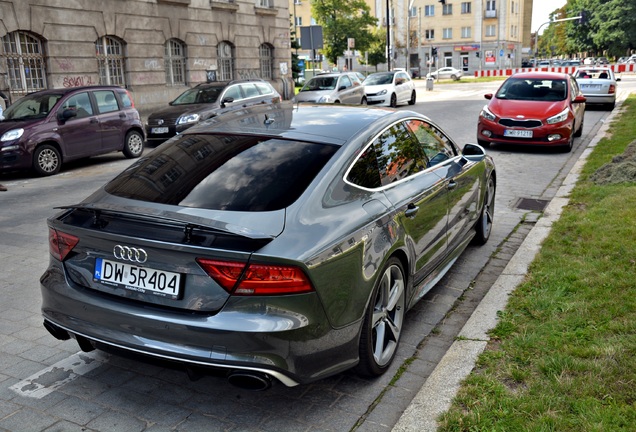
(541,10)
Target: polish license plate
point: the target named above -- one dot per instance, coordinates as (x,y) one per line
(517,133)
(590,86)
(141,279)
(159,130)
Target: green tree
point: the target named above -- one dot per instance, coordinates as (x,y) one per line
(615,26)
(340,20)
(376,54)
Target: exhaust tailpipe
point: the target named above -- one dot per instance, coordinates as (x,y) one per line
(248,380)
(57,332)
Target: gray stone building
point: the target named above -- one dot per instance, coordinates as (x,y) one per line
(154,48)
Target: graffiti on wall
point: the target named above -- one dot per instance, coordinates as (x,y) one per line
(77,81)
(152,64)
(248,73)
(64,64)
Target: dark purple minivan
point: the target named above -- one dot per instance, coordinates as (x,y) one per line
(45,129)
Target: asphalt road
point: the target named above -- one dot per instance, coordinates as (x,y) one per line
(49,385)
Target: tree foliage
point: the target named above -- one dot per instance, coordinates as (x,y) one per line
(377,50)
(341,20)
(610,29)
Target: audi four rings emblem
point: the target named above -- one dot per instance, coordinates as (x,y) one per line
(128,253)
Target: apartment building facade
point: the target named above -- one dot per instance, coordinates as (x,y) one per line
(470,35)
(154,48)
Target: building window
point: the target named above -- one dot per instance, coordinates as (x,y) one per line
(447,33)
(225,53)
(175,62)
(490,5)
(466,32)
(266,58)
(110,61)
(299,21)
(491,30)
(429,10)
(429,34)
(412,12)
(263,4)
(447,9)
(466,7)
(26,68)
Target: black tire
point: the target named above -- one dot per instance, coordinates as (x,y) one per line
(133,145)
(413,97)
(454,77)
(483,227)
(393,102)
(568,147)
(47,160)
(383,321)
(611,106)
(579,131)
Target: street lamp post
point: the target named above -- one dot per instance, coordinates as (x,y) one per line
(388,35)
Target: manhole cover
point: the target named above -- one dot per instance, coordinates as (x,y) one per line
(531,204)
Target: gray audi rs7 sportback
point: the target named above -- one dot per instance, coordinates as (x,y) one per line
(276,242)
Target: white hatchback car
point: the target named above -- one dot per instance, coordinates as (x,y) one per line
(389,89)
(598,85)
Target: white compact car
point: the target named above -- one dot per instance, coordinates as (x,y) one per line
(389,89)
(598,85)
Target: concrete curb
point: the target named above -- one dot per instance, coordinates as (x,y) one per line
(437,393)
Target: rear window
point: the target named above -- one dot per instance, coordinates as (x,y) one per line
(218,172)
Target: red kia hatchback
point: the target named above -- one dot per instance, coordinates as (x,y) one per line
(45,129)
(533,108)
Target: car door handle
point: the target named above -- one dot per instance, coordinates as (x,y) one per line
(411,210)
(94,120)
(452,185)
(122,115)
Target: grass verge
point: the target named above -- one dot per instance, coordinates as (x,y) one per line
(563,354)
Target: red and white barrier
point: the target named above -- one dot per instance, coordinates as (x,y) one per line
(565,69)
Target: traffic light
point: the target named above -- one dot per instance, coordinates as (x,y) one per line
(477,54)
(583,17)
(434,51)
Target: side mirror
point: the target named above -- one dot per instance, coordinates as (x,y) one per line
(66,114)
(342,88)
(488,96)
(226,100)
(473,152)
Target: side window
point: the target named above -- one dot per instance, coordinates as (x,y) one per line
(265,89)
(234,92)
(250,90)
(435,145)
(106,101)
(80,103)
(345,82)
(399,155)
(365,171)
(125,99)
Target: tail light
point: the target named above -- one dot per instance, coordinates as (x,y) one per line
(60,244)
(132,101)
(239,278)
(612,89)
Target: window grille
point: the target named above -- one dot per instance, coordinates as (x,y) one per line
(26,65)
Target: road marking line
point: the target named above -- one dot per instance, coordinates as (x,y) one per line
(55,376)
